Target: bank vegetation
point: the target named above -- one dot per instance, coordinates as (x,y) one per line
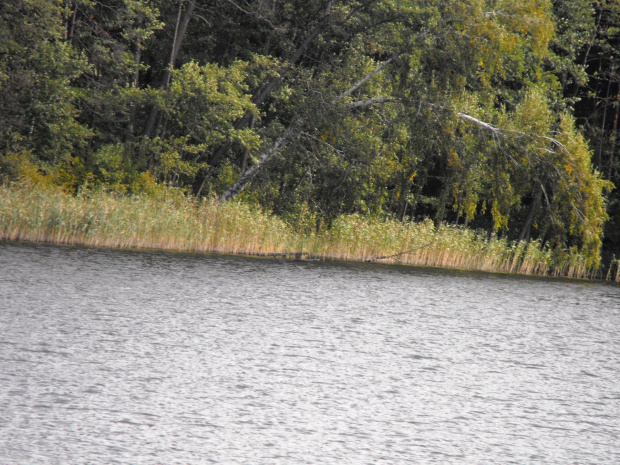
(168,219)
(487,128)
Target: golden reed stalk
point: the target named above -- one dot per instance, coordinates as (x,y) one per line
(172,221)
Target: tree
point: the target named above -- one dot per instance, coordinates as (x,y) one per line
(472,65)
(456,110)
(38,116)
(197,111)
(598,109)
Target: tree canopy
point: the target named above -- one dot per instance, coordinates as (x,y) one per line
(494,114)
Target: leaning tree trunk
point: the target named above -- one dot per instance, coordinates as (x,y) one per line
(291,132)
(265,90)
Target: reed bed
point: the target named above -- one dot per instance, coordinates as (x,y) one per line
(172,221)
(356,238)
(169,222)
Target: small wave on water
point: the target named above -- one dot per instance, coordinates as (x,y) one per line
(111,356)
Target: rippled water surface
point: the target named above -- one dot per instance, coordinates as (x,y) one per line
(158,358)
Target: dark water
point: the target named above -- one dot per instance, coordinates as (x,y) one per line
(158,358)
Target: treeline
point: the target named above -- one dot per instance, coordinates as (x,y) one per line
(499,115)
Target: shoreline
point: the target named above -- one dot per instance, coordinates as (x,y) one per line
(173,222)
(289,257)
(325,259)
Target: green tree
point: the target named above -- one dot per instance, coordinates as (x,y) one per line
(197,113)
(476,96)
(455,110)
(598,110)
(38,114)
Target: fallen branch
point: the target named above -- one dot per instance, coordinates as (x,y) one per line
(396,254)
(289,255)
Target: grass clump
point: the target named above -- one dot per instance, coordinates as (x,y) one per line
(167,219)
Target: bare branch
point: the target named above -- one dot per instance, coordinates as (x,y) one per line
(397,254)
(469,118)
(496,131)
(476,121)
(548,203)
(373,101)
(558,144)
(249,13)
(334,149)
(204,19)
(363,81)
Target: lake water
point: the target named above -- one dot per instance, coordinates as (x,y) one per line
(129,357)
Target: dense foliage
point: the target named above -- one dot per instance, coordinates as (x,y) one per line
(495,114)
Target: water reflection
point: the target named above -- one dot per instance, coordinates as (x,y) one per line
(144,357)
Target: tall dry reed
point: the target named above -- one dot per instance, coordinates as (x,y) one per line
(173,221)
